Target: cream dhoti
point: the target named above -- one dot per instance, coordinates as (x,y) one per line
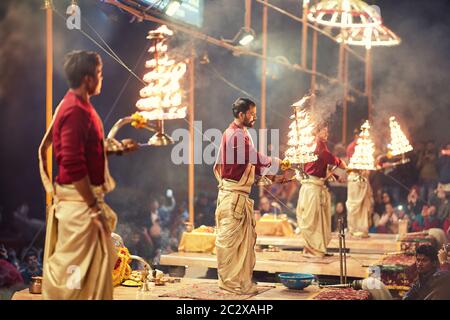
(359,203)
(313,215)
(236,236)
(79,258)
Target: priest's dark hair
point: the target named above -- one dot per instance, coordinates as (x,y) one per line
(78,64)
(242,105)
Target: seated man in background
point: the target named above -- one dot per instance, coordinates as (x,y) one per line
(31,267)
(430,219)
(339,213)
(440,201)
(264,206)
(388,222)
(431,283)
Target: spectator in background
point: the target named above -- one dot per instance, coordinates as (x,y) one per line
(339,213)
(387,199)
(154,212)
(165,210)
(152,234)
(401,214)
(382,201)
(446,227)
(140,244)
(413,210)
(444,165)
(388,175)
(204,211)
(31,267)
(12,258)
(428,171)
(388,222)
(10,278)
(440,201)
(418,223)
(177,225)
(264,206)
(414,206)
(378,201)
(430,219)
(419,148)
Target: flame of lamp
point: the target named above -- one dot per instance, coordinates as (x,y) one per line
(161,98)
(363,157)
(399,142)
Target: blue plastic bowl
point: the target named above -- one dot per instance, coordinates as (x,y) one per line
(296,281)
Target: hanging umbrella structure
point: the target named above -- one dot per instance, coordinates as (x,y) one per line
(344,14)
(369,37)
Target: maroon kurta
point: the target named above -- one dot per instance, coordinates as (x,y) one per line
(78,142)
(237,150)
(318,168)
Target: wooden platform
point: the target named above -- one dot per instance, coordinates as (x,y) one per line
(279,292)
(357,264)
(376,243)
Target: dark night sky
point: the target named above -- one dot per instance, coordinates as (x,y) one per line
(410,81)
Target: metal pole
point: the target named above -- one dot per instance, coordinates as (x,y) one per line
(369,82)
(314,63)
(49,88)
(262,140)
(341,267)
(340,70)
(248,14)
(345,254)
(191,182)
(344,100)
(305,33)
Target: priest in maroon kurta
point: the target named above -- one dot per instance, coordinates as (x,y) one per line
(237,164)
(314,206)
(79,256)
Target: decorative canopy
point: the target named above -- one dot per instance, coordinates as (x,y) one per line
(370,37)
(344,14)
